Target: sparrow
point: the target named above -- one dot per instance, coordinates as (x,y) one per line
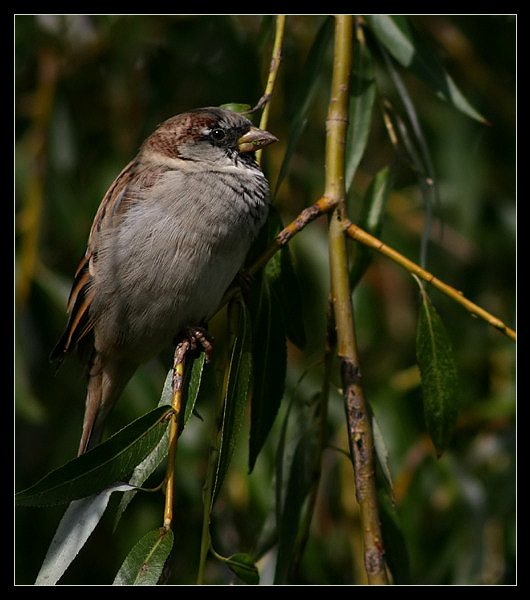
(168,239)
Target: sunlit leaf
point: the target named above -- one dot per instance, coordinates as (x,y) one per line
(75,527)
(145,562)
(396,34)
(99,468)
(361,102)
(144,469)
(416,150)
(236,107)
(371,220)
(192,386)
(192,381)
(307,88)
(382,452)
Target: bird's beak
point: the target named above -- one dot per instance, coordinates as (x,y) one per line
(255,139)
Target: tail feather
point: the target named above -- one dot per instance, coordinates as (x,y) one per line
(92,406)
(105,384)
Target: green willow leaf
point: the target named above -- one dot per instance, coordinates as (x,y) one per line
(75,527)
(243,566)
(276,309)
(360,107)
(236,107)
(269,356)
(307,88)
(192,382)
(281,276)
(371,220)
(283,282)
(192,386)
(145,562)
(396,551)
(439,377)
(297,473)
(99,468)
(417,152)
(236,391)
(397,35)
(301,476)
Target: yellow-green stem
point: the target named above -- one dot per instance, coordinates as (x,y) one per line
(357,414)
(365,238)
(273,71)
(176,403)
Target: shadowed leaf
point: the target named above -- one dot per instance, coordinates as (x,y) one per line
(439,378)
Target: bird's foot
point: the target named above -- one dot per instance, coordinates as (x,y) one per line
(195,340)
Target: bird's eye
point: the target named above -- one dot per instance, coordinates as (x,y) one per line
(217,134)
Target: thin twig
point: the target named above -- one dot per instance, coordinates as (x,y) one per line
(325,205)
(308,215)
(362,236)
(273,72)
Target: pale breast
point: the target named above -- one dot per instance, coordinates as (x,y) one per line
(169,261)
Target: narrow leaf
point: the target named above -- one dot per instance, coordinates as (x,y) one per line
(439,377)
(297,468)
(101,467)
(192,386)
(306,90)
(143,470)
(74,529)
(145,562)
(381,451)
(417,152)
(269,355)
(281,275)
(276,312)
(371,220)
(396,551)
(301,477)
(362,96)
(243,566)
(397,35)
(236,392)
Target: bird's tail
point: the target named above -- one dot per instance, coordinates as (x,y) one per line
(105,385)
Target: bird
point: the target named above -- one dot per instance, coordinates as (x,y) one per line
(169,237)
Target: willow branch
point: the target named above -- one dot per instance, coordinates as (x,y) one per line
(323,206)
(176,403)
(357,414)
(273,71)
(362,236)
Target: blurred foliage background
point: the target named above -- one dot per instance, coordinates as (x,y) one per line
(88,90)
